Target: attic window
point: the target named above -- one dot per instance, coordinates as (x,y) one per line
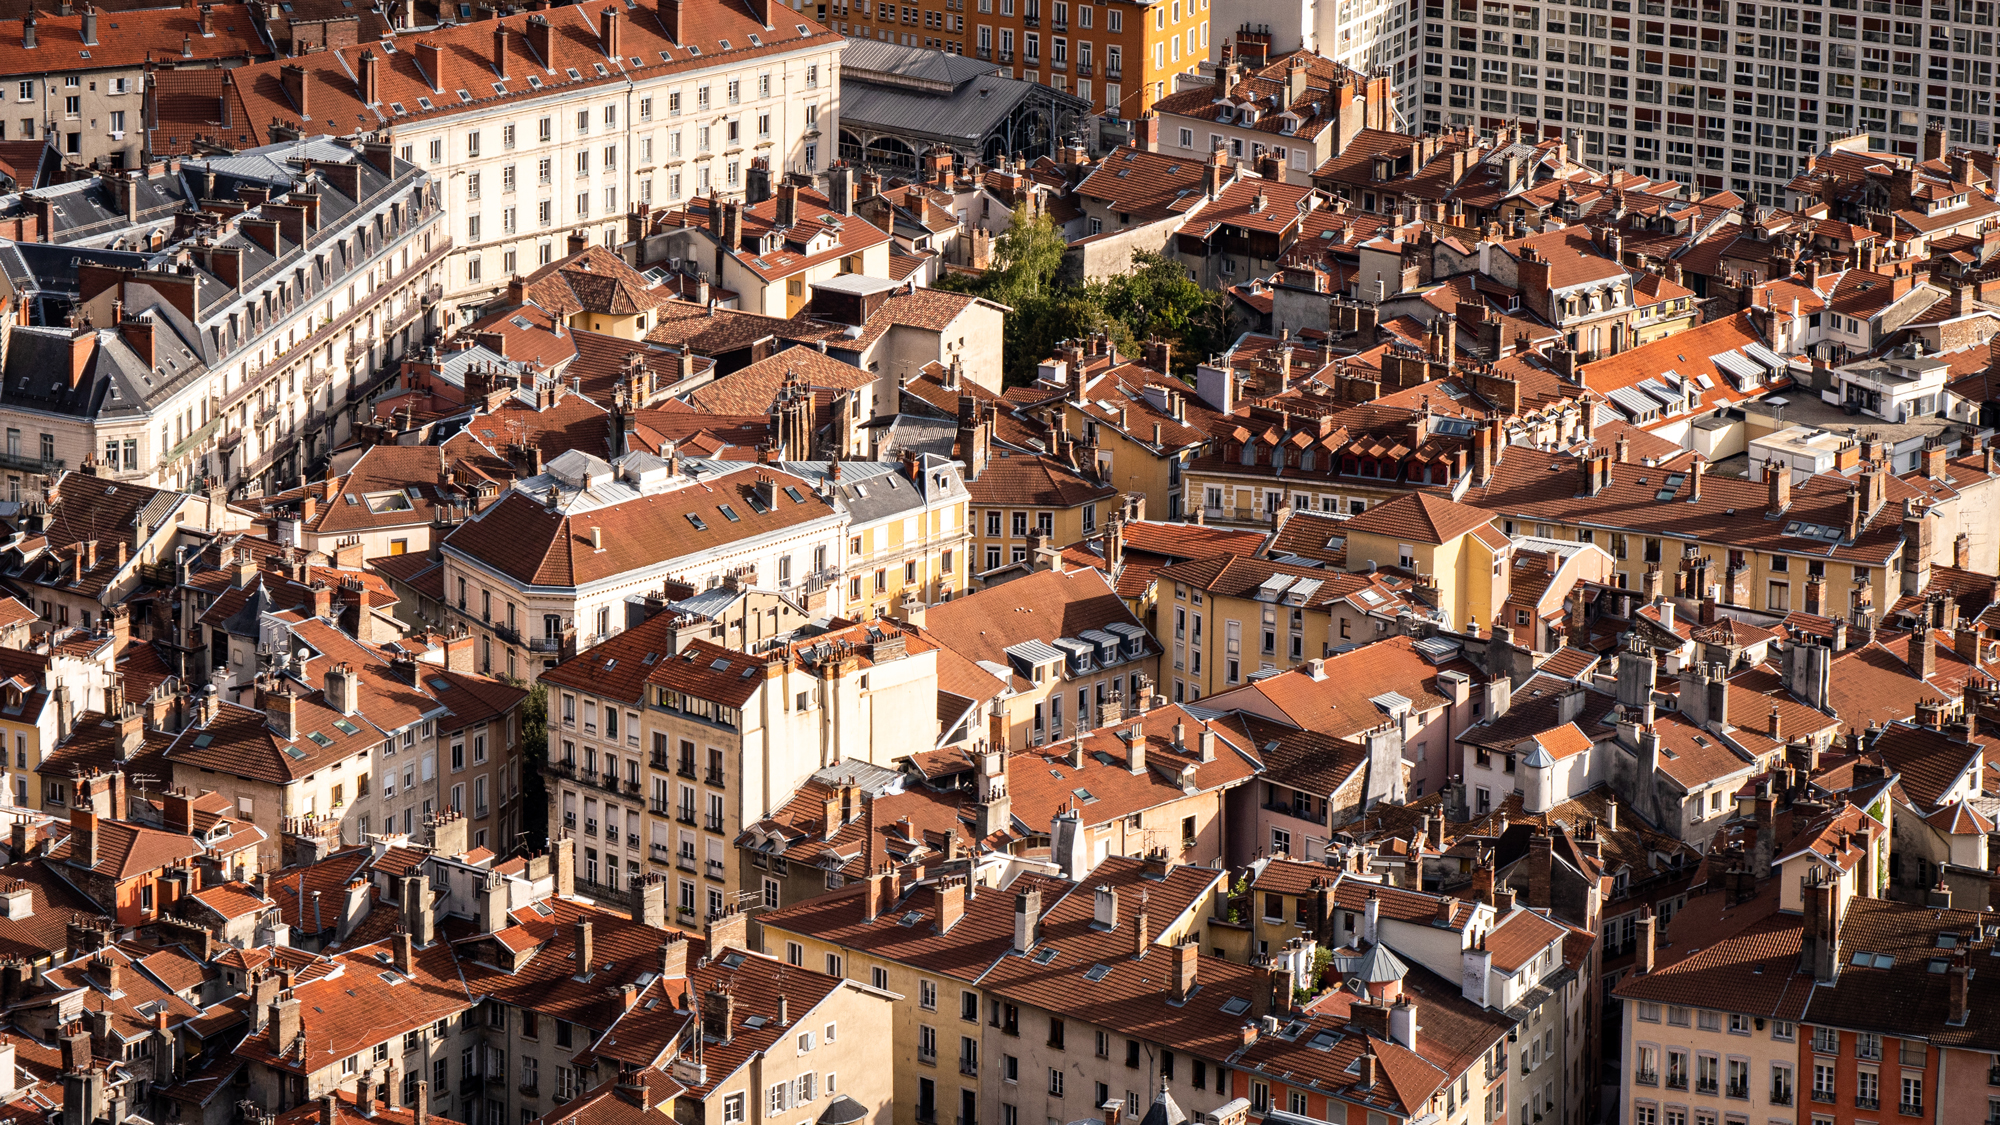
(693,50)
(723,43)
(729,513)
(1864,960)
(465,95)
(802,30)
(1096,973)
(1083,795)
(574,75)
(637,61)
(696,521)
(1937,965)
(500,88)
(1235,1006)
(345,727)
(757,504)
(203,739)
(424,103)
(665,57)
(601,72)
(319,739)
(754,41)
(534,82)
(397,108)
(1045,954)
(794,494)
(719,664)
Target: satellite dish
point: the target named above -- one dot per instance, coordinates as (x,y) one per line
(1356,986)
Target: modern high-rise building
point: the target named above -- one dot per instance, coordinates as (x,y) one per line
(1717,95)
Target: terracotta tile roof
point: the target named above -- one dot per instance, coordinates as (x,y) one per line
(1302,759)
(1931,762)
(711,672)
(363,1001)
(1693,757)
(1520,937)
(1039,607)
(982,935)
(259,103)
(1131,993)
(757,389)
(1311,535)
(1960,819)
(593,280)
(1035,480)
(523,539)
(128,39)
(231,901)
(1910,997)
(1341,703)
(1235,576)
(1569,663)
(1044,781)
(1749,962)
(617,667)
(346,1112)
(1420,518)
(1146,186)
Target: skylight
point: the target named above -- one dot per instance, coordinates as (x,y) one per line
(729,513)
(319,739)
(1096,973)
(696,521)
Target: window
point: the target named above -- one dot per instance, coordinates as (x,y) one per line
(1055,1083)
(833,965)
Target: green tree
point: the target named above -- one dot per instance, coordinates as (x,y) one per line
(535,755)
(1157,300)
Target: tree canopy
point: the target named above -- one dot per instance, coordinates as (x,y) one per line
(1156,300)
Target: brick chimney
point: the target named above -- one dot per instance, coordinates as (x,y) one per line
(607,33)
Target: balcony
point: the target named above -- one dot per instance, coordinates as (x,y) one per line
(662,852)
(609,781)
(530,1089)
(632,786)
(1823,1097)
(563,767)
(1863,1101)
(1706,1086)
(969,1068)
(713,869)
(686,768)
(1736,1091)
(664,808)
(1781,1097)
(713,777)
(1676,1081)
(590,828)
(1083,70)
(685,862)
(1647,1078)
(31,464)
(685,815)
(713,822)
(1911,1109)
